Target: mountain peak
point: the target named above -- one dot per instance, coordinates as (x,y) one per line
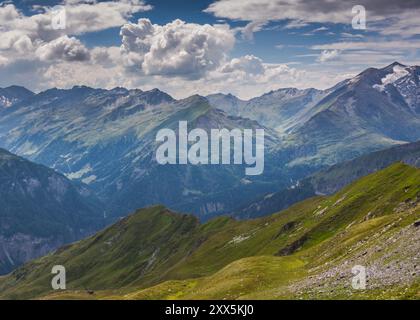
(195,98)
(13,94)
(17,88)
(396,63)
(156,90)
(119,90)
(84,89)
(375,76)
(155,96)
(227,96)
(81,87)
(232,96)
(391,68)
(282,91)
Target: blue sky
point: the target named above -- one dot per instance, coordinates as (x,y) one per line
(246,47)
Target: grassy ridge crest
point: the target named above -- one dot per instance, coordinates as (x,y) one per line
(305,251)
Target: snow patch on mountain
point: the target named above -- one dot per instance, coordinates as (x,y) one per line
(391,78)
(89,179)
(27,149)
(79,174)
(5,102)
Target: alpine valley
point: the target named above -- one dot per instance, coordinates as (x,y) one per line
(340,187)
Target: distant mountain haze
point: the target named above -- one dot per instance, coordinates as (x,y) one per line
(106,138)
(330,180)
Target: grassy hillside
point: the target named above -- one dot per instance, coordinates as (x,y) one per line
(306,251)
(336,177)
(331,179)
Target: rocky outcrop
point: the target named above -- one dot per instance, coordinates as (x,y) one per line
(20,248)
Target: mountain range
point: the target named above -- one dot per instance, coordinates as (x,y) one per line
(106,138)
(376,109)
(281,109)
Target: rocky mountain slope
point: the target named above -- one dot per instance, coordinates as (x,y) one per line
(280,109)
(375,110)
(306,251)
(40,210)
(13,95)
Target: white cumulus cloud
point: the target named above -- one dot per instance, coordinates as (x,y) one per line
(327,55)
(249,64)
(23,34)
(63,48)
(176,49)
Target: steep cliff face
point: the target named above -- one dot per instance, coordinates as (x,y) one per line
(40,210)
(21,247)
